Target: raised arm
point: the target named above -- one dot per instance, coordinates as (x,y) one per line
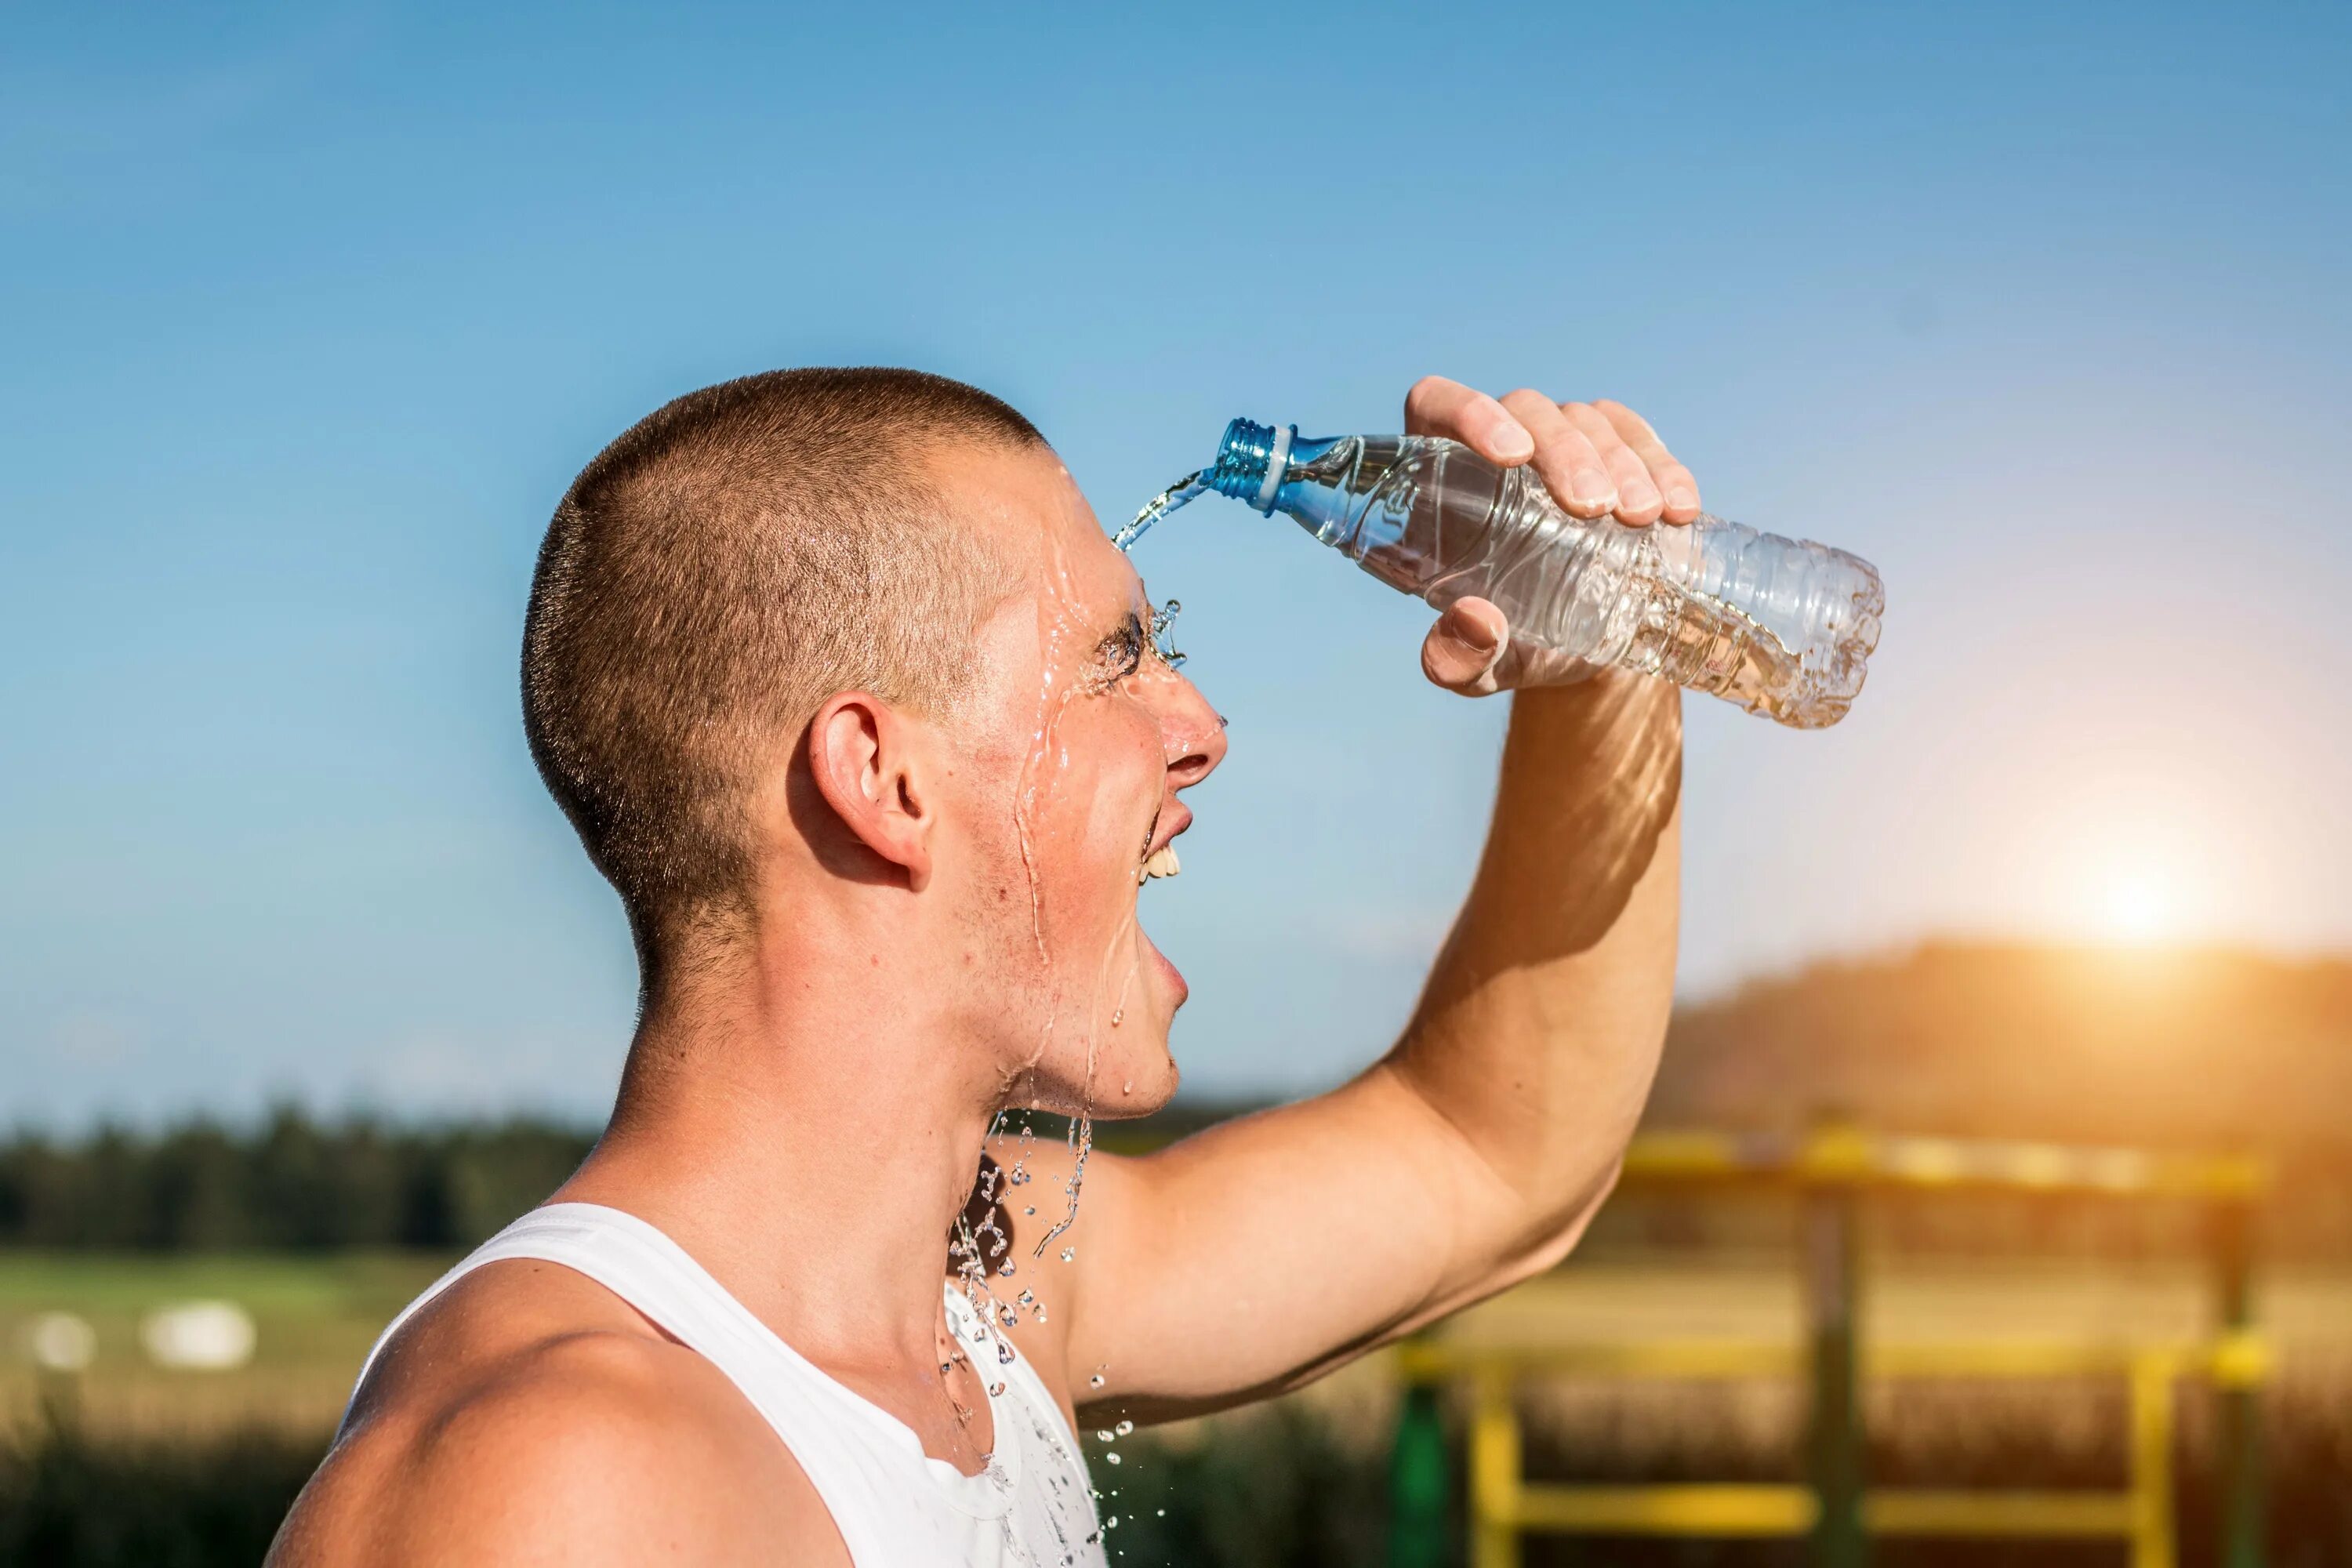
(1261,1254)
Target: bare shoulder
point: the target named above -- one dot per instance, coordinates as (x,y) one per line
(527,1415)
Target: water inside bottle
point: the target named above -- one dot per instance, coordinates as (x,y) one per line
(1710,646)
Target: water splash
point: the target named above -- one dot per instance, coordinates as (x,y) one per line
(1185,489)
(1082,1143)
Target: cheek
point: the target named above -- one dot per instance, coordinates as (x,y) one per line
(1108,781)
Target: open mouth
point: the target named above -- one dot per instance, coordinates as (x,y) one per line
(1161,861)
(1157,863)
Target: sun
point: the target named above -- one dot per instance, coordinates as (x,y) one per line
(2138,905)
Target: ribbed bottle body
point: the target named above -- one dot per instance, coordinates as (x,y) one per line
(1782,627)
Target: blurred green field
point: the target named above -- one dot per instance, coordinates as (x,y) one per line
(317,1314)
(160,1453)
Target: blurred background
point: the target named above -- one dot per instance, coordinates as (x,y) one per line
(312,313)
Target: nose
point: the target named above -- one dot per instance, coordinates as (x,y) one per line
(1190,730)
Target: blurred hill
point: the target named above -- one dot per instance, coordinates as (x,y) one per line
(2162,1047)
(2186,1049)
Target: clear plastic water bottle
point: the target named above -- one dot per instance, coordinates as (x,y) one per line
(1780,627)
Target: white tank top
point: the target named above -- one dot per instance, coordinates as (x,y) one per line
(895,1506)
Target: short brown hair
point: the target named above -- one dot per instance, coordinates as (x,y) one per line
(731,561)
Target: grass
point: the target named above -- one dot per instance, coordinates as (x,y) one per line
(315,1317)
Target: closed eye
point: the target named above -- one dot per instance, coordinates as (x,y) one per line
(1120,655)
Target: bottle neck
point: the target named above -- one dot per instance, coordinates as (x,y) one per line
(1255,462)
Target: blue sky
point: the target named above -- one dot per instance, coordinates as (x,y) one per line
(308,314)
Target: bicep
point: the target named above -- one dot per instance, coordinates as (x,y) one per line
(1257,1256)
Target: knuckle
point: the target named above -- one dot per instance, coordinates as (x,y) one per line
(1590,420)
(1429,391)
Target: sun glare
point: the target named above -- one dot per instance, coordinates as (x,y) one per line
(2137,906)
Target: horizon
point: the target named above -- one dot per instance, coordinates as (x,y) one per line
(314,316)
(1192,1102)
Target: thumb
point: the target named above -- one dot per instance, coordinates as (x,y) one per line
(1465,646)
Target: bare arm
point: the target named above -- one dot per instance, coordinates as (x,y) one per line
(1259,1255)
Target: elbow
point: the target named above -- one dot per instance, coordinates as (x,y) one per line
(1552,1232)
(1566,1225)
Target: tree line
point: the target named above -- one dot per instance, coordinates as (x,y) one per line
(290,1182)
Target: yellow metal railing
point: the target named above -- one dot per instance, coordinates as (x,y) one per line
(1840,1154)
(1505,1505)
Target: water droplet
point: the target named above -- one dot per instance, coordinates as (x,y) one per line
(1069,1255)
(1123,1428)
(1112,1457)
(1096,1380)
(1031,1210)
(1103,1436)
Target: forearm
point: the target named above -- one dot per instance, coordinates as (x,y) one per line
(1475,1150)
(1539,1034)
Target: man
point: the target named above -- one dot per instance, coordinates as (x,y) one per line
(850,698)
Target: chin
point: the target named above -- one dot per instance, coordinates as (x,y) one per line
(1132,1078)
(1140,1093)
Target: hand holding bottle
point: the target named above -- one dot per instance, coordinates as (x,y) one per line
(1535,527)
(1597,459)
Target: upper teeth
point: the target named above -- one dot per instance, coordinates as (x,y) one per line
(1162,863)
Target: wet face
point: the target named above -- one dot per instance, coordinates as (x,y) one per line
(1080,739)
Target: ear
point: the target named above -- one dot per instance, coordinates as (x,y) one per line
(867,763)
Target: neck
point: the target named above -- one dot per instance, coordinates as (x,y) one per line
(809,1145)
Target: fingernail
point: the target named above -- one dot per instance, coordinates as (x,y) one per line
(1511,441)
(1682,498)
(1591,487)
(1638,496)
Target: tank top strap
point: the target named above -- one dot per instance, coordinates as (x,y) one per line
(642,1265)
(893,1503)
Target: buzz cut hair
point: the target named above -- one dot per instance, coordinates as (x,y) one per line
(733,560)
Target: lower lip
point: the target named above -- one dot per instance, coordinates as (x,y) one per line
(1169,972)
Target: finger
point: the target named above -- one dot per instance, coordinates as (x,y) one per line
(1465,646)
(1436,406)
(1638,500)
(1571,469)
(1674,480)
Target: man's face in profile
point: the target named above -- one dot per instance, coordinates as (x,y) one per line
(1080,734)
